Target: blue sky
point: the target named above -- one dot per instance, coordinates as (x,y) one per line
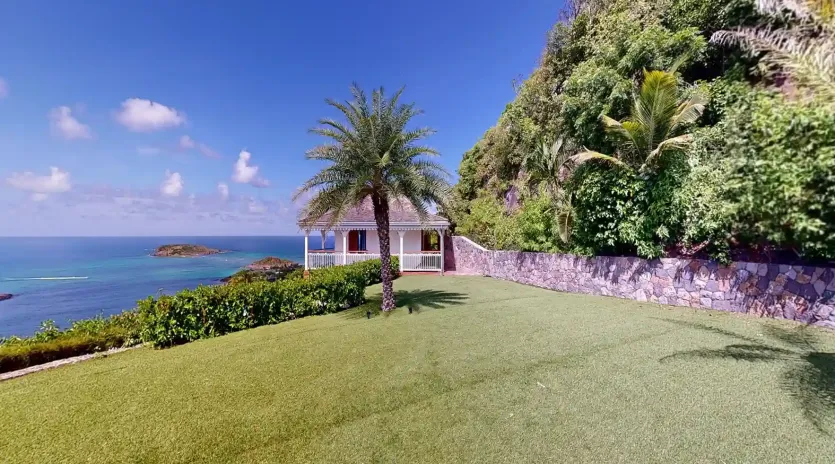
(122,118)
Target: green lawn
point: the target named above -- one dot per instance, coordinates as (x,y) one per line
(484,371)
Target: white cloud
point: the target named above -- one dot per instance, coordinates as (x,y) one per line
(65,125)
(148,150)
(255,207)
(207,152)
(186,143)
(223,190)
(140,115)
(57,181)
(173,184)
(244,173)
(4,88)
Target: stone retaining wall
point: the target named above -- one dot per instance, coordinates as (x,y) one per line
(801,293)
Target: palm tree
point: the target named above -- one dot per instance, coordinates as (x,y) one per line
(373,154)
(804,47)
(553,163)
(655,127)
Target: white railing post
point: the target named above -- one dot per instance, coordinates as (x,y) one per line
(344,247)
(306,248)
(324,234)
(441,243)
(401,233)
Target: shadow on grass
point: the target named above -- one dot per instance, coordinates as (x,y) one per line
(416,299)
(809,375)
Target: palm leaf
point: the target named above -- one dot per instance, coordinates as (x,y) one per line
(589,155)
(565,221)
(804,48)
(672,144)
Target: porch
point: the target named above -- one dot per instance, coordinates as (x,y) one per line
(417,240)
(417,250)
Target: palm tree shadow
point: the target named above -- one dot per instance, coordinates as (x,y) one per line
(432,299)
(415,299)
(809,377)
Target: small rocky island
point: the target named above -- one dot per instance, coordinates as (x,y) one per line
(5,296)
(184,251)
(269,269)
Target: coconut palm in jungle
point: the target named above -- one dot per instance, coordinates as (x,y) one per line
(657,125)
(373,153)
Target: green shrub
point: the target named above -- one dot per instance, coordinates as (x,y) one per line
(83,337)
(212,311)
(604,199)
(782,172)
(537,223)
(488,224)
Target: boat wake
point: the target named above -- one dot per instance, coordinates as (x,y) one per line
(13,279)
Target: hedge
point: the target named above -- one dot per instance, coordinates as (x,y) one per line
(194,314)
(83,337)
(207,312)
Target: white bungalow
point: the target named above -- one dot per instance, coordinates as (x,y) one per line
(419,245)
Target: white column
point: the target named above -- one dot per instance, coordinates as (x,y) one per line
(306,240)
(324,233)
(344,247)
(441,234)
(401,232)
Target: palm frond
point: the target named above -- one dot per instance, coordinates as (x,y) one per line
(672,144)
(589,155)
(804,48)
(688,111)
(565,221)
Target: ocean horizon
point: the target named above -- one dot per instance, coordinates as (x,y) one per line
(70,278)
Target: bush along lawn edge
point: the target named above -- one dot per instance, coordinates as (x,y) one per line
(205,312)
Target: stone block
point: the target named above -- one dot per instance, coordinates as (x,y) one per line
(820,287)
(722,305)
(824,311)
(706,302)
(762,269)
(789,310)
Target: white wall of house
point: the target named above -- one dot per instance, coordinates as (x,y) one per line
(411,242)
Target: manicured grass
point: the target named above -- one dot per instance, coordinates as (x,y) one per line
(484,371)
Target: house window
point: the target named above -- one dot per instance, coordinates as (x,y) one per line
(357,240)
(430,241)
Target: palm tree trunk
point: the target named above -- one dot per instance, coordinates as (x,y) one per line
(381,216)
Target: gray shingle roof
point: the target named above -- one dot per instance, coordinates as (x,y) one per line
(400,212)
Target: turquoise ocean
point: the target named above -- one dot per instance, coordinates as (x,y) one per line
(66,279)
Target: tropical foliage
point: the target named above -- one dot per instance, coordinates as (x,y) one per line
(211,311)
(803,48)
(82,337)
(673,127)
(654,127)
(373,154)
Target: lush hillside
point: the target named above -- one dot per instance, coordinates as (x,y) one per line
(588,159)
